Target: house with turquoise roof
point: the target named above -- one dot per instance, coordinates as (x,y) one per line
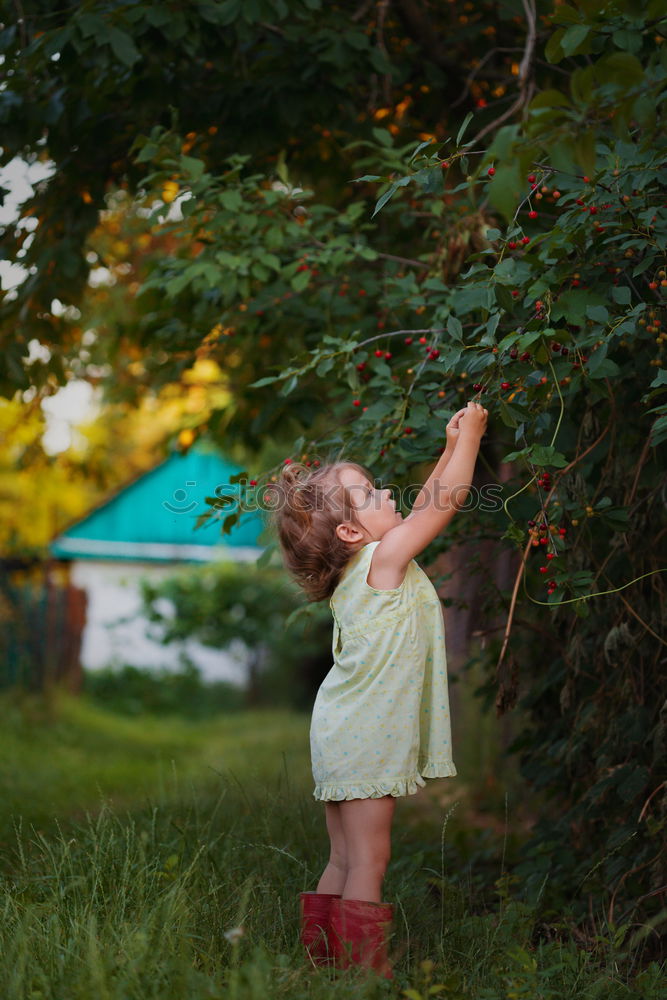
(147,530)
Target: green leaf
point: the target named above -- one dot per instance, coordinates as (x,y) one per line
(384,137)
(430,180)
(514,533)
(621,69)
(464,126)
(507,415)
(547,455)
(454,328)
(504,299)
(366,177)
(123,46)
(621,294)
(506,189)
(553,51)
(390,193)
(230,199)
(422,145)
(550,99)
(658,432)
(660,379)
(574,38)
(193,166)
(584,147)
(265,557)
(229,522)
(300,281)
(597,313)
(605,369)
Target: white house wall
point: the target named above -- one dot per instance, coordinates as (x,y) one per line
(117,634)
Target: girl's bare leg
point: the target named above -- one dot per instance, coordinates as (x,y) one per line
(335,873)
(366,826)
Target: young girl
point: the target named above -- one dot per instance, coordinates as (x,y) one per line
(380,722)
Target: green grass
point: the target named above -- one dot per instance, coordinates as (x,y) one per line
(62,756)
(143,841)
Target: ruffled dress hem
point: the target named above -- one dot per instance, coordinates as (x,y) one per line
(389,786)
(438,769)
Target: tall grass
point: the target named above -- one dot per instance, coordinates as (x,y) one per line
(192,892)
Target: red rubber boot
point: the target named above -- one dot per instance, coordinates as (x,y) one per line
(315,909)
(359,933)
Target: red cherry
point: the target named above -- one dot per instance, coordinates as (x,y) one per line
(316,462)
(525,240)
(504,385)
(586,179)
(593,210)
(422,340)
(513,353)
(361,366)
(387,354)
(531,178)
(408,340)
(435,353)
(408,430)
(356,402)
(512,245)
(544,569)
(491,171)
(477,386)
(551,555)
(253,482)
(544,541)
(380,324)
(515,293)
(445,165)
(287,461)
(562,532)
(532,214)
(379,353)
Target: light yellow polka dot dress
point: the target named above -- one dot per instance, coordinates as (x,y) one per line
(380,722)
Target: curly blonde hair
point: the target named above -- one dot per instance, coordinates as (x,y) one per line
(309,505)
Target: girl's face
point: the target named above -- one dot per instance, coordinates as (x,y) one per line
(375,509)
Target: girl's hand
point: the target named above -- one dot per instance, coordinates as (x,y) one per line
(474,419)
(453,429)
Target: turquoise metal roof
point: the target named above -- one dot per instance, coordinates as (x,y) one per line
(154,517)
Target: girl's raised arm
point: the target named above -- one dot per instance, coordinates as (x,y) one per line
(439,500)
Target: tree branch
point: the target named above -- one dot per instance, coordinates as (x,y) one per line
(526,86)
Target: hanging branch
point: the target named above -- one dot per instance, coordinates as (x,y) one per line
(526,85)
